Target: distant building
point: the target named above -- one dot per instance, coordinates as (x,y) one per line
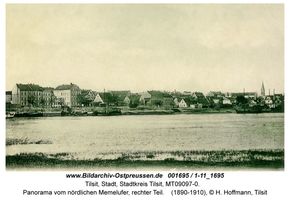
(263,90)
(98,99)
(269,101)
(160,98)
(121,97)
(105,98)
(245,94)
(127,100)
(216,101)
(278,98)
(68,93)
(216,94)
(86,97)
(8,96)
(201,100)
(186,101)
(49,100)
(182,104)
(187,93)
(134,100)
(226,101)
(144,97)
(90,95)
(27,95)
(176,101)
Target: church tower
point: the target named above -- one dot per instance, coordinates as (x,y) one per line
(262,90)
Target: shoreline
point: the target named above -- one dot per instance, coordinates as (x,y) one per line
(37,113)
(223,159)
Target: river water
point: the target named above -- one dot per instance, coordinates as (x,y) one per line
(88,136)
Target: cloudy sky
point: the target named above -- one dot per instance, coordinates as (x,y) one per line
(144,47)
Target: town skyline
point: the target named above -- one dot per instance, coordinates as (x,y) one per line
(147,47)
(267,91)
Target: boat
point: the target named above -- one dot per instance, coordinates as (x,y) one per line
(29,114)
(52,114)
(108,111)
(10,115)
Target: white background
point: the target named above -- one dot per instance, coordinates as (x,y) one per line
(13,182)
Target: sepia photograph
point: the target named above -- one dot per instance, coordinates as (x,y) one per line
(145,86)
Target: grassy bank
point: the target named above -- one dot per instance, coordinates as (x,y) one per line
(253,159)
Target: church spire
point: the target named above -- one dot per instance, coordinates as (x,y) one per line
(263,90)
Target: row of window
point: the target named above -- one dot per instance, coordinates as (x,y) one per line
(30,93)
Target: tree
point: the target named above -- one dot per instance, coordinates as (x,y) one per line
(31,99)
(61,102)
(157,102)
(241,100)
(42,101)
(86,97)
(80,99)
(53,100)
(134,101)
(110,99)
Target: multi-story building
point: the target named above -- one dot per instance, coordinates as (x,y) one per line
(68,93)
(8,96)
(27,95)
(49,100)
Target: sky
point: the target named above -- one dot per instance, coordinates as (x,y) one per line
(183,47)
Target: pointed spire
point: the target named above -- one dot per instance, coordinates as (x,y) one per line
(263,89)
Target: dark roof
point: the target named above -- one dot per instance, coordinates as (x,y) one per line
(107,97)
(48,88)
(212,98)
(89,94)
(176,94)
(120,91)
(121,95)
(243,93)
(159,94)
(200,98)
(199,94)
(281,95)
(181,97)
(86,92)
(186,93)
(134,97)
(8,92)
(29,87)
(67,87)
(216,92)
(189,100)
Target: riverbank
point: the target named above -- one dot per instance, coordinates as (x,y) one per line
(224,159)
(36,112)
(124,110)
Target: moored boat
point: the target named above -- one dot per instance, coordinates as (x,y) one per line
(108,111)
(52,114)
(10,115)
(29,114)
